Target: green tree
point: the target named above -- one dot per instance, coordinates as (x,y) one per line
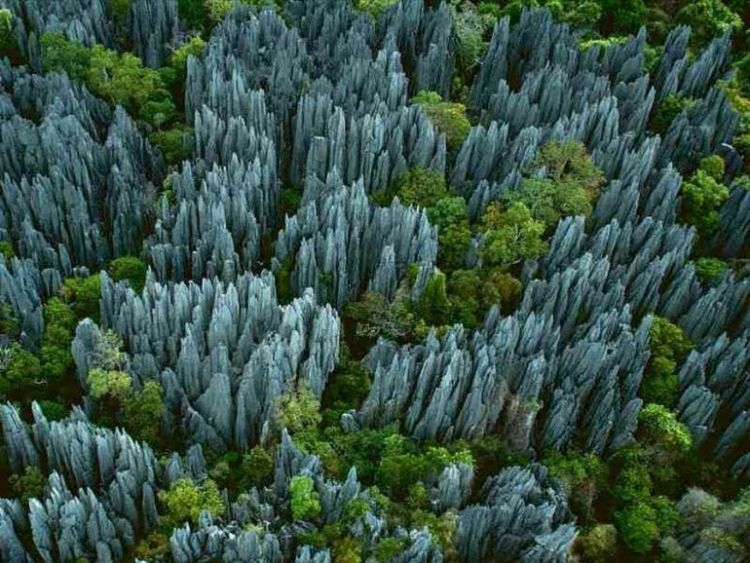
(582,476)
(53,410)
(373,8)
(112,384)
(6,250)
(59,324)
(194,46)
(108,354)
(669,345)
(154,547)
(708,19)
(305,501)
(22,372)
(373,316)
(464,292)
(622,16)
(348,386)
(510,236)
(668,340)
(62,55)
(633,482)
(419,186)
(661,384)
(174,143)
(434,306)
(185,500)
(122,79)
(194,13)
(142,412)
(388,548)
(402,465)
(448,118)
(470,26)
(121,9)
(158,112)
(667,110)
(217,9)
(7,36)
(641,523)
(710,270)
(129,268)
(473,292)
(83,294)
(257,467)
(297,410)
(568,161)
(638,526)
(702,196)
(598,544)
(499,288)
(451,218)
(28,485)
(346,550)
(570,187)
(661,430)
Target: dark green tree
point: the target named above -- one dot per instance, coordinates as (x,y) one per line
(129,268)
(448,117)
(510,236)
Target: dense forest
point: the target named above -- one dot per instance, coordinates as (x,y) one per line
(374,281)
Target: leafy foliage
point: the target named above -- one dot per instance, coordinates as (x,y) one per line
(297,410)
(109,383)
(185,500)
(582,476)
(570,187)
(451,218)
(129,268)
(257,466)
(669,345)
(448,117)
(418,186)
(510,236)
(21,372)
(702,196)
(708,19)
(121,79)
(710,270)
(83,295)
(305,503)
(373,8)
(28,485)
(598,544)
(142,413)
(666,112)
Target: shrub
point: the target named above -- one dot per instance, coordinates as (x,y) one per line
(702,196)
(28,485)
(113,384)
(258,466)
(297,410)
(448,117)
(83,294)
(598,544)
(129,268)
(660,428)
(305,502)
(637,525)
(510,236)
(710,270)
(185,500)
